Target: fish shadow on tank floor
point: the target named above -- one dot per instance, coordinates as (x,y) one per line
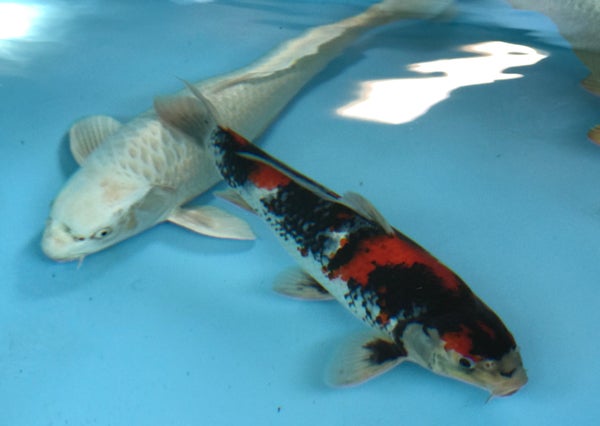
(68,165)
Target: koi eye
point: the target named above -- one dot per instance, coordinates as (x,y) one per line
(102,233)
(466,363)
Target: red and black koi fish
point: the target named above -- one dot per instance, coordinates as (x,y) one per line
(419,309)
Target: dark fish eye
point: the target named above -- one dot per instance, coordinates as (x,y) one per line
(466,363)
(102,233)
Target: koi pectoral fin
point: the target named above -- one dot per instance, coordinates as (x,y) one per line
(296,283)
(212,221)
(362,360)
(89,133)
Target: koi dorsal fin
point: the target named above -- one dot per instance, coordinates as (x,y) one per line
(258,155)
(89,133)
(364,207)
(194,116)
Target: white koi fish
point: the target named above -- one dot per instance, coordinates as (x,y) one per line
(137,174)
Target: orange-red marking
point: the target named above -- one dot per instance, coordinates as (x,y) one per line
(386,250)
(459,341)
(264,176)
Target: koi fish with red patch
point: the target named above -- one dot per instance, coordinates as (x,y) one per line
(418,308)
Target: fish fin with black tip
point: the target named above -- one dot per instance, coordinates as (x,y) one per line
(362,359)
(296,283)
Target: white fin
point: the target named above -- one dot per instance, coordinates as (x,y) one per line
(191,115)
(364,207)
(88,133)
(234,197)
(363,359)
(212,221)
(296,283)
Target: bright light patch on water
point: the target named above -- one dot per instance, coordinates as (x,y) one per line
(16,20)
(401,100)
(29,30)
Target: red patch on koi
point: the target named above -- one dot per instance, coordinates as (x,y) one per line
(267,177)
(459,341)
(386,250)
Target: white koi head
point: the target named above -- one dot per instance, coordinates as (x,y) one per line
(94,211)
(454,354)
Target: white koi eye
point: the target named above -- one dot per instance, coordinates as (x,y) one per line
(102,233)
(466,363)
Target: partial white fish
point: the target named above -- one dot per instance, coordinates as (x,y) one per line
(137,174)
(579,22)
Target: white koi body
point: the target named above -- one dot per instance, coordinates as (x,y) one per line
(138,174)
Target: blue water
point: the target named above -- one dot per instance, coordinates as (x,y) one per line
(171,328)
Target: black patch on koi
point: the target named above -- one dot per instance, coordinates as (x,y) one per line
(347,253)
(234,169)
(406,290)
(307,218)
(489,336)
(382,351)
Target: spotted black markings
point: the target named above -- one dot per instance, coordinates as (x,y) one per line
(234,169)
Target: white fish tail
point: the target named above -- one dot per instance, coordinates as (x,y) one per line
(265,87)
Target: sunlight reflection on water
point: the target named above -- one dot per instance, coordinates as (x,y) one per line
(26,28)
(401,100)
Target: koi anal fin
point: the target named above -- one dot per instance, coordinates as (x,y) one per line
(362,360)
